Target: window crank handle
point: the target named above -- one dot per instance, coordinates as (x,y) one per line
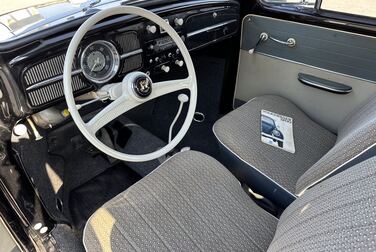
(263,37)
(291,42)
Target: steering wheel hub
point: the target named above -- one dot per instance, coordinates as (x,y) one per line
(142,85)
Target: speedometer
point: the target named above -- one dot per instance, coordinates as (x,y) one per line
(100,61)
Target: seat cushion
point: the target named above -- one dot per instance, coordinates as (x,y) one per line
(338,214)
(190,203)
(240,132)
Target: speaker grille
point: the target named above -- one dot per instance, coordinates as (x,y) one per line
(45,70)
(48,70)
(128,42)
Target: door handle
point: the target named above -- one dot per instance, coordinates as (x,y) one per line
(327,85)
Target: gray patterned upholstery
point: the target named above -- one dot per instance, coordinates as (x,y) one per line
(240,131)
(192,203)
(356,134)
(338,214)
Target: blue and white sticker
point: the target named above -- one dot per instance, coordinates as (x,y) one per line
(277,131)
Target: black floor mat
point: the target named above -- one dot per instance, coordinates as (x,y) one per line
(200,137)
(64,160)
(87,198)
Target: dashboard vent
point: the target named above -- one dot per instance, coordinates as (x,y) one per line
(128,42)
(132,63)
(53,91)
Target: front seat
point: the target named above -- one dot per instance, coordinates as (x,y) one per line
(318,152)
(193,203)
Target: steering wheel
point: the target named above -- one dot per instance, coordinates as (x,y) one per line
(135,89)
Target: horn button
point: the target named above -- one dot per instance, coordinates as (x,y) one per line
(142,86)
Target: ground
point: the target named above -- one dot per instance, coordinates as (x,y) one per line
(11,5)
(361,7)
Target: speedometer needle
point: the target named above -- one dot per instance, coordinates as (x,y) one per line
(97,62)
(94,66)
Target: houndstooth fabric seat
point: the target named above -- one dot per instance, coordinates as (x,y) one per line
(193,203)
(318,151)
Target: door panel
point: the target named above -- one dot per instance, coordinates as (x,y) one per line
(333,56)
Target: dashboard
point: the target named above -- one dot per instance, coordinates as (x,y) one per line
(110,51)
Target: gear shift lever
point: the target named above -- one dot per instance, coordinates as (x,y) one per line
(183,98)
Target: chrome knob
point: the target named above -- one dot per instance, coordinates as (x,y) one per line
(180,63)
(151,29)
(179,21)
(165,68)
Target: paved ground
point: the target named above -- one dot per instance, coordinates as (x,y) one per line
(11,5)
(361,7)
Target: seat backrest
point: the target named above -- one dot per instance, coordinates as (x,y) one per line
(356,135)
(338,214)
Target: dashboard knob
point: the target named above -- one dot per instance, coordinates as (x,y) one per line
(179,21)
(165,68)
(179,63)
(151,29)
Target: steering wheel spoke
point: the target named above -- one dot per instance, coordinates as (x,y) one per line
(166,87)
(111,112)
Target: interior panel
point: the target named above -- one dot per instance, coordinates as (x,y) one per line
(274,68)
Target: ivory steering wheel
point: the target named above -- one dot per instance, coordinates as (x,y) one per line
(135,89)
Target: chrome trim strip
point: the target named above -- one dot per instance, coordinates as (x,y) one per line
(209,28)
(132,53)
(51,80)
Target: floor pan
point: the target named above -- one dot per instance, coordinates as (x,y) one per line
(87,198)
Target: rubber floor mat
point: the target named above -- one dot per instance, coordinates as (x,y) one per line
(87,198)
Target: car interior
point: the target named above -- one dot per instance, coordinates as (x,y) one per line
(188,125)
